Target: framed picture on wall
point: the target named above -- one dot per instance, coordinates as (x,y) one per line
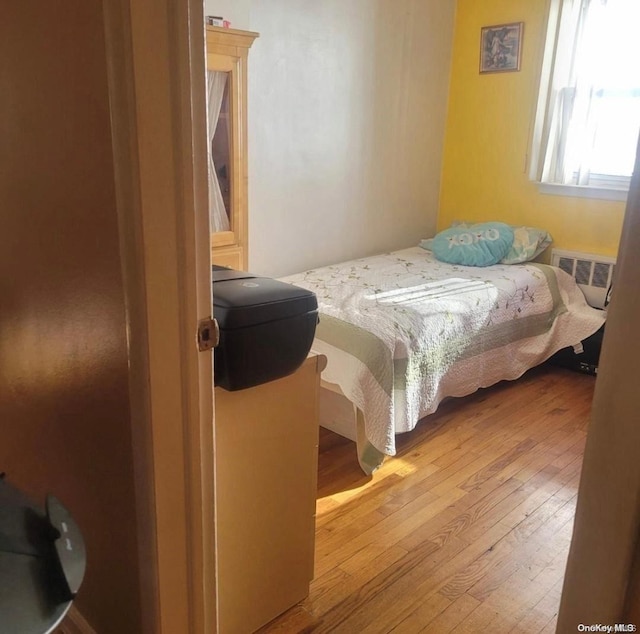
(501,47)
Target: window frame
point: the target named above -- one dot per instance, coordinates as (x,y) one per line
(563,16)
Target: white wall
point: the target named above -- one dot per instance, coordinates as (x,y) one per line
(236,11)
(347,105)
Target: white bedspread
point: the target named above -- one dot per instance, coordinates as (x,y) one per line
(402,331)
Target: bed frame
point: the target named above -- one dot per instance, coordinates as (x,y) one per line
(337,412)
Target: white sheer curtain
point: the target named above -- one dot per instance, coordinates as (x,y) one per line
(216,83)
(596,86)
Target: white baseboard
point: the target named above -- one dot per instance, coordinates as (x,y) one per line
(75,623)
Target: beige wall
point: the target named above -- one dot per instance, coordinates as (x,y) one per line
(63,358)
(347,104)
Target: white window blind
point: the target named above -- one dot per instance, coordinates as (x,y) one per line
(588,114)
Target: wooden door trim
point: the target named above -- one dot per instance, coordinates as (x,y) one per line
(127,187)
(155,51)
(600,567)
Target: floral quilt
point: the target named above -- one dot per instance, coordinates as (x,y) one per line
(402,331)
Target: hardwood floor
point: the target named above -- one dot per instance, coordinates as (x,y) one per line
(466,530)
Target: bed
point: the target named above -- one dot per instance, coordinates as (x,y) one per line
(402,331)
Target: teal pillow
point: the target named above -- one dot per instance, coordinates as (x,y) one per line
(481,244)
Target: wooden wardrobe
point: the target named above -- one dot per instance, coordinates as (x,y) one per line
(227,52)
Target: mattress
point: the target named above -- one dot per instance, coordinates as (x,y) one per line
(402,331)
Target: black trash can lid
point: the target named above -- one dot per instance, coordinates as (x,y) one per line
(241,299)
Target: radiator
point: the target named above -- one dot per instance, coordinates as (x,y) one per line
(593,273)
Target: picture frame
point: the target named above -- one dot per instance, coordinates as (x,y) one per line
(501,47)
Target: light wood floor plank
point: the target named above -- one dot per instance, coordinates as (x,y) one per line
(428,610)
(467,530)
(526,542)
(507,600)
(327,601)
(451,616)
(542,613)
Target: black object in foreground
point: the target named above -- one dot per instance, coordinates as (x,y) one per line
(585,359)
(266,328)
(42,563)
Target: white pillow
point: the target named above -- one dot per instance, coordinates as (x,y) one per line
(528,244)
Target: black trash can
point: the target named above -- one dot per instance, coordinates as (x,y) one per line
(266,328)
(584,360)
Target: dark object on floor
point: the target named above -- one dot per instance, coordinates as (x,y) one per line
(266,328)
(585,361)
(42,563)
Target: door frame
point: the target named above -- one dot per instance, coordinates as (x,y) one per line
(603,567)
(156,73)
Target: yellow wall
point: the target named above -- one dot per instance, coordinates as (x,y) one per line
(488,129)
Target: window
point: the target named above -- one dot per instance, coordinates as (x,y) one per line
(588,115)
